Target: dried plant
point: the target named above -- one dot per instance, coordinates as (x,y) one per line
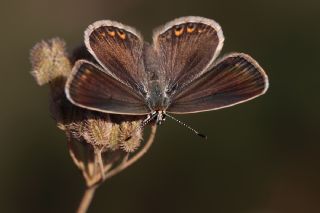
(101,145)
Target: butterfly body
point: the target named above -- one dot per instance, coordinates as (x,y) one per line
(157,99)
(177,73)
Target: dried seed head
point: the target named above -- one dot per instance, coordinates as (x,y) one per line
(131,136)
(49,61)
(97,130)
(75,130)
(114,140)
(132,144)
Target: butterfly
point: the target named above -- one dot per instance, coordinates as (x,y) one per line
(177,73)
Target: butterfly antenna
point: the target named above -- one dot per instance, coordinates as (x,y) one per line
(189,127)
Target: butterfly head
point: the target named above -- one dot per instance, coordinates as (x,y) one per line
(161,117)
(158,116)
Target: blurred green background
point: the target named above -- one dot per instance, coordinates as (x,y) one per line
(261,157)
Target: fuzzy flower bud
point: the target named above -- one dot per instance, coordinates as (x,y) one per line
(49,61)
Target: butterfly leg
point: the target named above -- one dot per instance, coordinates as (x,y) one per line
(161,116)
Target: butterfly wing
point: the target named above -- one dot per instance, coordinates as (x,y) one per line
(90,87)
(235,79)
(119,50)
(186,47)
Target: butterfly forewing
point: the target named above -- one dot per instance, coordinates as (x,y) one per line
(90,87)
(118,49)
(235,79)
(186,47)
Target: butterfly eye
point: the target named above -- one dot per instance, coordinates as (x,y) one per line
(190,28)
(111,32)
(178,30)
(121,34)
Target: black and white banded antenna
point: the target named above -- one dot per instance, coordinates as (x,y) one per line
(185,125)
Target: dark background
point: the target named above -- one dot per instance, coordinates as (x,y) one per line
(261,156)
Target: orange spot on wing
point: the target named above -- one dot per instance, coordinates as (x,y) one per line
(122,34)
(178,31)
(111,33)
(190,29)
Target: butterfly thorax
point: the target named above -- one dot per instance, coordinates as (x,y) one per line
(156,99)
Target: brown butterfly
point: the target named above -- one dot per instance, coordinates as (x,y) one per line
(178,73)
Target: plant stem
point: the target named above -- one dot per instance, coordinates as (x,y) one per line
(86,199)
(129,162)
(100,163)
